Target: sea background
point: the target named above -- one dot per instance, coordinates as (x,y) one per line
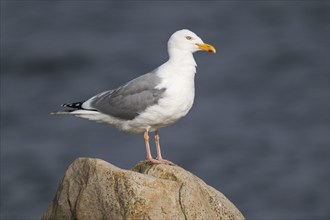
(259,128)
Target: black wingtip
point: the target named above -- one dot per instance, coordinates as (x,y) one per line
(76,105)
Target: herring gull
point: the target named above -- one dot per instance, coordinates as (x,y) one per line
(153,100)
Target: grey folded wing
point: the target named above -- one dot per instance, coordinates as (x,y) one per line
(130,100)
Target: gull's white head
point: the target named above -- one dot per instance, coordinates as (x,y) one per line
(187,41)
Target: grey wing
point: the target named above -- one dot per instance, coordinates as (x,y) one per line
(130,100)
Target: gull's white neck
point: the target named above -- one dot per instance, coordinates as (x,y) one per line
(181,57)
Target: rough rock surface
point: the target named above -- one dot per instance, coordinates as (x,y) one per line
(95,189)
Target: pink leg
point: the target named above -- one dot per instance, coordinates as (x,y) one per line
(159,153)
(149,156)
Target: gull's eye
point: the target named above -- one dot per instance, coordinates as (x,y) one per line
(188,37)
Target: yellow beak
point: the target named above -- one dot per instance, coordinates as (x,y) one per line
(206,47)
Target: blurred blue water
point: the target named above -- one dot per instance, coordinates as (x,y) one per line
(258,131)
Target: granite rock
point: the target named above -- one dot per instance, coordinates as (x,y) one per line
(95,189)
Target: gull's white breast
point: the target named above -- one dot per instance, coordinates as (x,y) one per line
(175,103)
